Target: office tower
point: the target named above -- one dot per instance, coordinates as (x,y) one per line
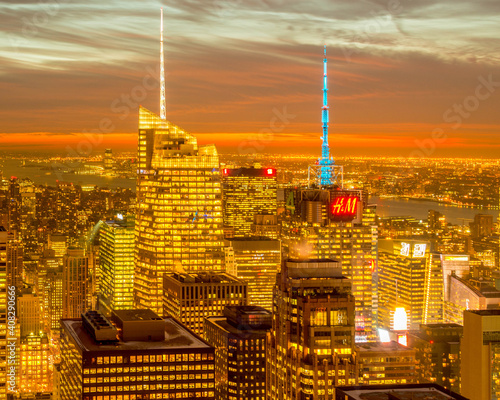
(383,363)
(480,355)
(396,392)
(75,283)
(335,224)
(4,332)
(108,159)
(256,261)
(470,295)
(53,299)
(142,356)
(14,205)
(239,338)
(453,264)
(14,259)
(190,297)
(311,344)
(116,264)
(179,217)
(29,312)
(247,193)
(409,278)
(35,367)
(68,198)
(28,215)
(58,243)
(482,226)
(437,349)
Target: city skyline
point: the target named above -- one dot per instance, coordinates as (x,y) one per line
(391,83)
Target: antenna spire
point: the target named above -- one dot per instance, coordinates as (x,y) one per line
(163,102)
(325,162)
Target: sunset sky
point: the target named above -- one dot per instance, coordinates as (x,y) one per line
(247,75)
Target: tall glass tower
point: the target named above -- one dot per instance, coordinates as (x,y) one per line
(178,224)
(179,212)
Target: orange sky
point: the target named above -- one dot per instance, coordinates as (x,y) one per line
(248,75)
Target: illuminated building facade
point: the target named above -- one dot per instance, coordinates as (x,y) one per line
(482,226)
(192,297)
(116,264)
(409,278)
(179,216)
(75,283)
(35,366)
(29,312)
(480,355)
(256,261)
(53,298)
(437,349)
(58,243)
(14,260)
(247,193)
(141,356)
(469,295)
(108,159)
(335,224)
(310,348)
(68,197)
(386,363)
(265,226)
(239,338)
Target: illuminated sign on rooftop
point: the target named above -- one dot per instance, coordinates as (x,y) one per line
(344,207)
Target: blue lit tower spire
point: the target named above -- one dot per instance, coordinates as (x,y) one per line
(325,162)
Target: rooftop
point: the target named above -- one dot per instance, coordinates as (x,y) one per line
(223,324)
(203,277)
(383,347)
(176,337)
(422,391)
(485,313)
(136,315)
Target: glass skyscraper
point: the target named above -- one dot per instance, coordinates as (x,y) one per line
(179,212)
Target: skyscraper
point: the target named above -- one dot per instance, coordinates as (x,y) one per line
(247,193)
(311,344)
(335,224)
(116,264)
(141,356)
(192,297)
(480,351)
(75,283)
(409,277)
(239,338)
(256,261)
(179,210)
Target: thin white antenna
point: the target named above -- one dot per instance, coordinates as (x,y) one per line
(163,102)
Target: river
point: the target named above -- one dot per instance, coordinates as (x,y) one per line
(419,209)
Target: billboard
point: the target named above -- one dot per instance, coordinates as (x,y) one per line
(345,206)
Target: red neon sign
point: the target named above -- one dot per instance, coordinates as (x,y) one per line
(270,171)
(225,171)
(344,206)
